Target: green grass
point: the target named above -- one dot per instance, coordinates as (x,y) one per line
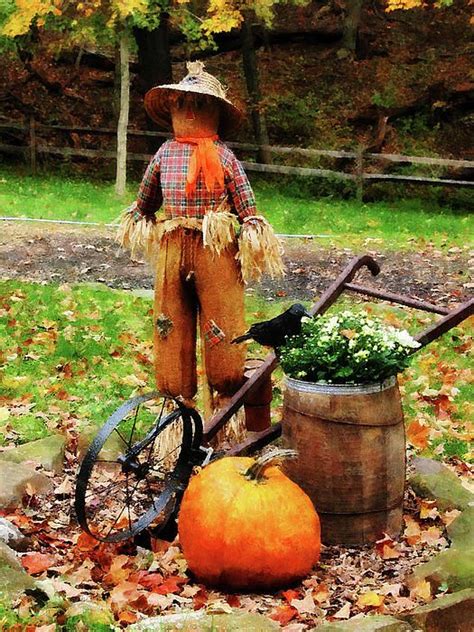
(402,224)
(69,356)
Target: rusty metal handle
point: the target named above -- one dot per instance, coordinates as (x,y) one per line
(333,292)
(443,325)
(270,362)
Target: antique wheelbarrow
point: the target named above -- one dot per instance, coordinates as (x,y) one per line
(138,465)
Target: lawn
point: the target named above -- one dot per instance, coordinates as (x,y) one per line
(399,224)
(69,355)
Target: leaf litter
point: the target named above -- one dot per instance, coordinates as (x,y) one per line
(135,582)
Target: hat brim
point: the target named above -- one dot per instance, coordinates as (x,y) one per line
(157,107)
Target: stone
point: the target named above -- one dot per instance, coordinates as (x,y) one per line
(453,612)
(453,568)
(14,479)
(202,622)
(113,447)
(435,481)
(9,558)
(370,623)
(461,530)
(13,578)
(13,583)
(12,536)
(47,452)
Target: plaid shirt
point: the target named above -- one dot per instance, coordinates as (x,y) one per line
(164,184)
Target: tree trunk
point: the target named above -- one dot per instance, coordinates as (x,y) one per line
(351,25)
(121,178)
(249,59)
(154,65)
(117,84)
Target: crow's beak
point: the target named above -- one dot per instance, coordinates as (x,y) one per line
(308,315)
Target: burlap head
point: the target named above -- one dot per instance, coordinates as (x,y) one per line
(197,81)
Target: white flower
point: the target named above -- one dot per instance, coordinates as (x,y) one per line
(405,339)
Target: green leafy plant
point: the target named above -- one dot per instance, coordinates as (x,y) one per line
(348,348)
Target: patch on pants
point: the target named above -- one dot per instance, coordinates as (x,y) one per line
(213,334)
(164,325)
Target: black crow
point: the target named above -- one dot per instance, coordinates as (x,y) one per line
(272,333)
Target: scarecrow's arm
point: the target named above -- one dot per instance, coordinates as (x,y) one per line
(138,220)
(150,197)
(239,190)
(259,249)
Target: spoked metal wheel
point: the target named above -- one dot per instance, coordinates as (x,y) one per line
(137,466)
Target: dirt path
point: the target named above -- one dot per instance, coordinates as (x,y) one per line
(60,253)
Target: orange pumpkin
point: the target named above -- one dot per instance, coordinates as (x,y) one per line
(243,524)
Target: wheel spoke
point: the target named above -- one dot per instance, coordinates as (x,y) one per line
(134,423)
(128,505)
(119,434)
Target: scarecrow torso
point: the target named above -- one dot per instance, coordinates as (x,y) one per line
(168,172)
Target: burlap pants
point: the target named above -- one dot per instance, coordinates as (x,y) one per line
(194,287)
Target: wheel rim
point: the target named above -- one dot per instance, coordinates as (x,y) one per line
(130,475)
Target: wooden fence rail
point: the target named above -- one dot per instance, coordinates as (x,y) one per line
(359,157)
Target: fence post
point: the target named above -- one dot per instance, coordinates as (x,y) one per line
(360,173)
(33,144)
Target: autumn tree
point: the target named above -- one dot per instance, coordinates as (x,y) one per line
(225,15)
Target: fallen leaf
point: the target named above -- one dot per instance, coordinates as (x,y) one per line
(432,536)
(127,617)
(171,584)
(370,600)
(53,586)
(421,590)
(284,614)
(232,600)
(35,563)
(125,594)
(448,516)
(291,594)
(387,548)
(86,542)
(417,434)
(306,605)
(391,589)
(64,489)
(161,602)
(344,612)
(428,510)
(412,533)
(321,593)
(117,572)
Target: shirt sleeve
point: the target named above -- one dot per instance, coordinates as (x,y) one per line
(149,198)
(238,187)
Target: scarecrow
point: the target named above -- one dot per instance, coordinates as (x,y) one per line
(206,242)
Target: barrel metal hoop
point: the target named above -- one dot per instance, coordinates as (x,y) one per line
(347,422)
(397,505)
(339,389)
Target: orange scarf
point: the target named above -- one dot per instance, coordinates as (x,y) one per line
(205,158)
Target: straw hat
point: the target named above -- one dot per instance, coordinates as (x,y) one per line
(197,81)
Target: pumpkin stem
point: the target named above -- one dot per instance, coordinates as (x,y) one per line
(257,470)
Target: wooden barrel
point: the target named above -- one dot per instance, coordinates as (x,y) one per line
(351,456)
